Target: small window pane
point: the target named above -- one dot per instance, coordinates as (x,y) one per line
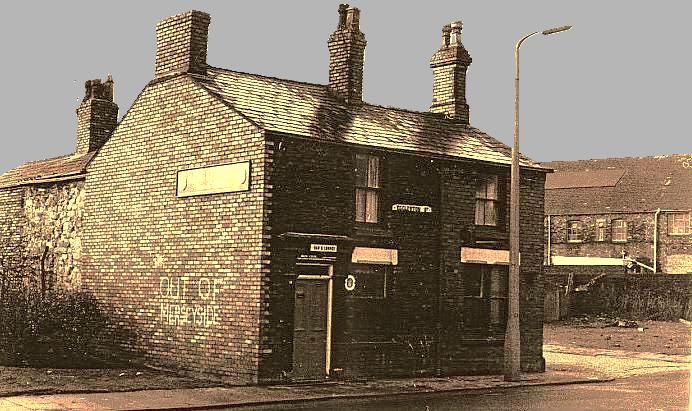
(619,229)
(360,205)
(371,209)
(361,171)
(374,172)
(491,191)
(490,215)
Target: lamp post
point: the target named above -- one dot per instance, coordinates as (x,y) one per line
(512,361)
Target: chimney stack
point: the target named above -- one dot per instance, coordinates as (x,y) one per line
(181,44)
(449,66)
(97,115)
(346,56)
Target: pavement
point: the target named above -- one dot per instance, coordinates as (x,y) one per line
(566,365)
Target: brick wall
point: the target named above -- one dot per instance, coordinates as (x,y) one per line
(313,192)
(674,251)
(11,221)
(182,274)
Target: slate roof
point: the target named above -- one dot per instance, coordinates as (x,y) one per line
(53,169)
(646,184)
(308,110)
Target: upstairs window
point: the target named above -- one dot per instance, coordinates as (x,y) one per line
(600,230)
(486,201)
(368,171)
(574,232)
(679,224)
(619,230)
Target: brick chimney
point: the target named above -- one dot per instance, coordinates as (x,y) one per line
(97,115)
(449,66)
(181,44)
(346,56)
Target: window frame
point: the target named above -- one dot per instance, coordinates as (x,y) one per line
(600,230)
(613,228)
(486,199)
(492,306)
(671,223)
(373,188)
(580,234)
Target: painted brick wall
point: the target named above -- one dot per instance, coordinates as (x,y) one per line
(182,275)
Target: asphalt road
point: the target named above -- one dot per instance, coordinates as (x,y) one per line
(661,391)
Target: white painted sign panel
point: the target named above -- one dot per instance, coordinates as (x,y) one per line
(484,256)
(367,255)
(412,208)
(564,260)
(227,178)
(323,248)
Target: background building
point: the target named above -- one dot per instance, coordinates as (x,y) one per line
(598,211)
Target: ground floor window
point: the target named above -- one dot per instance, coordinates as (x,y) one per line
(368,281)
(485,297)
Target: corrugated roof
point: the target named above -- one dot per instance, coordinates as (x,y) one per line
(648,183)
(34,172)
(309,110)
(583,179)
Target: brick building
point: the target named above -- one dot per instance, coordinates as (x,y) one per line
(259,229)
(598,211)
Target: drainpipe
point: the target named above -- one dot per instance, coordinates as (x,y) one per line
(549,262)
(658,211)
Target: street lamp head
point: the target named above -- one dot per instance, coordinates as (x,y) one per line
(555,30)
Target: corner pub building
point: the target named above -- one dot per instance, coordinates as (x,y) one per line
(259,230)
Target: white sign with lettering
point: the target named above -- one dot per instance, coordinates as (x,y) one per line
(323,248)
(412,208)
(227,178)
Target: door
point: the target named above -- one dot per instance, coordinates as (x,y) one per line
(312,323)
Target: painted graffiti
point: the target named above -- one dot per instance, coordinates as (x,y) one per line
(190,301)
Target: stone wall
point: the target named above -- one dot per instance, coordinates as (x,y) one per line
(53,221)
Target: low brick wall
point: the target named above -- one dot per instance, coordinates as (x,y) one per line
(635,296)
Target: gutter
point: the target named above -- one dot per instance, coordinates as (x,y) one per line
(656,214)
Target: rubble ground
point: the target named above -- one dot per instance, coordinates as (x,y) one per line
(600,332)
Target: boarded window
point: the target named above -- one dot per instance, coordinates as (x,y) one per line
(486,201)
(371,281)
(368,185)
(619,230)
(574,232)
(679,224)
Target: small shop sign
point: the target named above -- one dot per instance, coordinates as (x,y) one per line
(323,248)
(412,208)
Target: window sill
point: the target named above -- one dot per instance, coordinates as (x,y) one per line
(679,234)
(575,241)
(619,241)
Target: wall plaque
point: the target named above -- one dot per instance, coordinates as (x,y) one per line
(324,248)
(227,178)
(412,208)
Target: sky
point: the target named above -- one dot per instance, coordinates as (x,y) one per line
(617,84)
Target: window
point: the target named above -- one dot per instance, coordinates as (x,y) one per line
(679,224)
(619,230)
(574,232)
(368,170)
(370,281)
(600,230)
(486,201)
(485,296)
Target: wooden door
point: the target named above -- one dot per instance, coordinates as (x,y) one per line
(311,327)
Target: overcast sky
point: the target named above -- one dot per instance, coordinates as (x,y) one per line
(617,84)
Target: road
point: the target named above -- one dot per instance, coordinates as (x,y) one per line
(660,391)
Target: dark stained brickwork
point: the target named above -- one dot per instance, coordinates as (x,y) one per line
(97,116)
(449,65)
(419,326)
(346,56)
(181,44)
(183,273)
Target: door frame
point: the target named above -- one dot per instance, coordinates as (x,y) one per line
(330,280)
